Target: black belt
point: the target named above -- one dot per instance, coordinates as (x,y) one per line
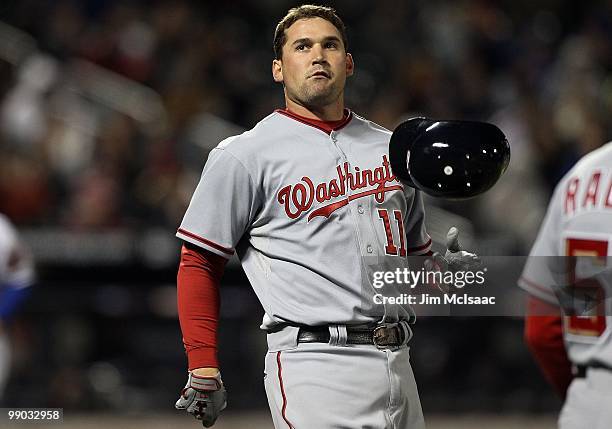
(580,371)
(383,336)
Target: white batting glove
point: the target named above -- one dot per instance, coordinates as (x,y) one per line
(204,398)
(457,258)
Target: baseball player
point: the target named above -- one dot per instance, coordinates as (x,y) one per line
(569,268)
(308,202)
(16,277)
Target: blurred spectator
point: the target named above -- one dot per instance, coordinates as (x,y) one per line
(16,277)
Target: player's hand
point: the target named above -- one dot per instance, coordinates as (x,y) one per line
(204,397)
(457,258)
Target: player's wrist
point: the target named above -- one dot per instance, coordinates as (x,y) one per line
(205,372)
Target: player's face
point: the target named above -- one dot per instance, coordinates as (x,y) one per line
(314,64)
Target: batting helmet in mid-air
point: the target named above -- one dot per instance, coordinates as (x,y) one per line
(448,159)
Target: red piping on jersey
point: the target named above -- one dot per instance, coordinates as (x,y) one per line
(282,387)
(422,247)
(330,208)
(212,244)
(321,125)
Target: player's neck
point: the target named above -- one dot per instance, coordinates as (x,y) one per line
(329,113)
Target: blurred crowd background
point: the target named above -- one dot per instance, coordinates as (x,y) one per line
(109,108)
(106,106)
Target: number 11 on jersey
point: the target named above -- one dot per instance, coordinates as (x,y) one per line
(391,248)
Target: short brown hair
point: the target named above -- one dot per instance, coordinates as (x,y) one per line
(304,12)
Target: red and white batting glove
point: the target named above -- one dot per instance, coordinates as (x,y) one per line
(204,398)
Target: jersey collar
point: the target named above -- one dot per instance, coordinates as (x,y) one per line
(325,126)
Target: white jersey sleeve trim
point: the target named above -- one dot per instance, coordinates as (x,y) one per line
(204,243)
(537,290)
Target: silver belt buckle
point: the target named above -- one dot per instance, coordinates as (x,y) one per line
(383,337)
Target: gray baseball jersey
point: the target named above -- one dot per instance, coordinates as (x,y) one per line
(578,223)
(310,215)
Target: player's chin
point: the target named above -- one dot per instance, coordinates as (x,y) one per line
(318,100)
(321,93)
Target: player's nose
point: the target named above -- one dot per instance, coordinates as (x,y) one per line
(318,53)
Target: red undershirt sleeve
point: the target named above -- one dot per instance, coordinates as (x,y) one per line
(198,279)
(544,337)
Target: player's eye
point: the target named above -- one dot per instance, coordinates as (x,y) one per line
(300,47)
(331,45)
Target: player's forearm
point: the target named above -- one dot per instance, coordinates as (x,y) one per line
(552,360)
(544,337)
(198,279)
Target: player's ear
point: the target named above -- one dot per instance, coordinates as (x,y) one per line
(350,65)
(277,70)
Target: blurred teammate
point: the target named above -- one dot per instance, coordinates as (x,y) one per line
(16,277)
(308,202)
(570,267)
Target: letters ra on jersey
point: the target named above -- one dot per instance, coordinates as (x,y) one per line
(587,189)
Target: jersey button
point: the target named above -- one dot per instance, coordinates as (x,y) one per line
(369,249)
(360,209)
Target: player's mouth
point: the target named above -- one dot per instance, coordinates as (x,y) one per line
(321,74)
